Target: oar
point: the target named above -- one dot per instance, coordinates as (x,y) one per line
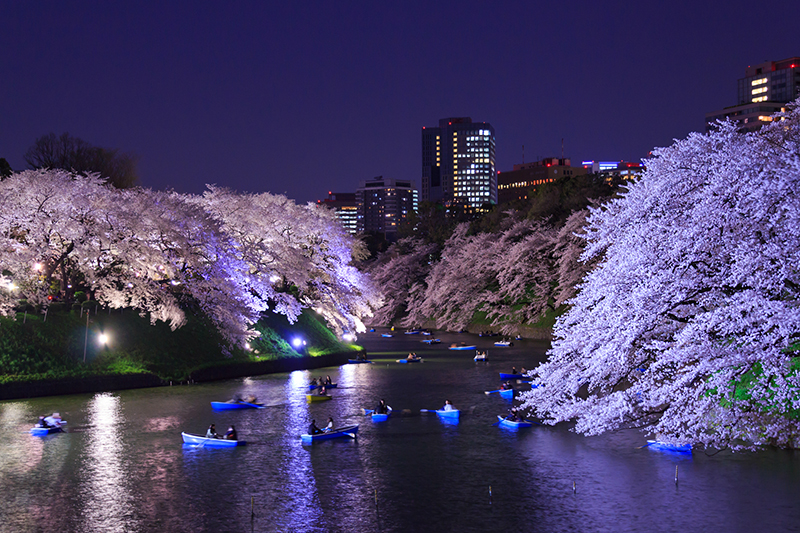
(351,435)
(498,422)
(490,391)
(253,404)
(427,410)
(645,446)
(366,412)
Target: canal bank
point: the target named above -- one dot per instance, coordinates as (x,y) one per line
(224,370)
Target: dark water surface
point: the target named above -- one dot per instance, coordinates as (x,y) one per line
(122,466)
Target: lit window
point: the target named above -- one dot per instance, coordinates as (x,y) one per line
(765,119)
(760,99)
(759,90)
(759,81)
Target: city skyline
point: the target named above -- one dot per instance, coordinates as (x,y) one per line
(306,99)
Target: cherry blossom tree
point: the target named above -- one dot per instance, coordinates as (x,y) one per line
(230,256)
(688,325)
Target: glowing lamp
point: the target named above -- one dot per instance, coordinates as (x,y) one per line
(297,342)
(103,338)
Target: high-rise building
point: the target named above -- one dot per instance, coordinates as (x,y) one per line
(458,162)
(345,207)
(763,91)
(384,203)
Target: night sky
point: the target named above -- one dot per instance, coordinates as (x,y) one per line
(305,97)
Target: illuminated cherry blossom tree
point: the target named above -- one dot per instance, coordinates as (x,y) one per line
(688,325)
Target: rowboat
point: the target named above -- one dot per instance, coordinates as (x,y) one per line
(663,446)
(41,432)
(358,361)
(462,347)
(380,417)
(227,406)
(413,332)
(511,424)
(432,341)
(480,356)
(312,398)
(507,394)
(328,386)
(347,431)
(510,376)
(451,414)
(414,360)
(386,335)
(199,440)
(504,343)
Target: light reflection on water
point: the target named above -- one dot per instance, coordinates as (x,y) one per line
(122,467)
(106,499)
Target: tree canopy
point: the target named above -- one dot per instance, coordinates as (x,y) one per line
(229,255)
(688,327)
(76,155)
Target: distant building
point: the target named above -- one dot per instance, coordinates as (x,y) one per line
(516,184)
(345,207)
(763,91)
(458,163)
(624,170)
(383,203)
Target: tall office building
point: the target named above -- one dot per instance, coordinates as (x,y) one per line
(383,204)
(764,90)
(345,207)
(458,162)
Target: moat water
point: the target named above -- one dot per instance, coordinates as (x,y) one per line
(121,466)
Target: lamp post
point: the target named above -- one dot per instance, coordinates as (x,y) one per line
(86,337)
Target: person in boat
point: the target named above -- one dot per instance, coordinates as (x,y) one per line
(505,385)
(53,421)
(211,433)
(250,399)
(330,426)
(328,380)
(42,422)
(523,371)
(313,382)
(448,406)
(382,408)
(313,429)
(231,433)
(412,356)
(513,370)
(322,390)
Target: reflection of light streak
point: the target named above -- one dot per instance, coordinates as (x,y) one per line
(25,456)
(108,503)
(304,509)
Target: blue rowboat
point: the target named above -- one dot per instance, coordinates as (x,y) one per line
(504,343)
(347,431)
(510,376)
(415,360)
(462,347)
(41,432)
(510,424)
(330,386)
(663,446)
(507,394)
(380,417)
(413,332)
(227,406)
(358,361)
(450,415)
(386,335)
(432,341)
(199,440)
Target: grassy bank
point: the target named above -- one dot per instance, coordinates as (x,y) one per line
(35,347)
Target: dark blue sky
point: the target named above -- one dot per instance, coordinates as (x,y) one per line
(306,97)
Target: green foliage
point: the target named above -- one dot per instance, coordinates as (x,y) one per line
(41,349)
